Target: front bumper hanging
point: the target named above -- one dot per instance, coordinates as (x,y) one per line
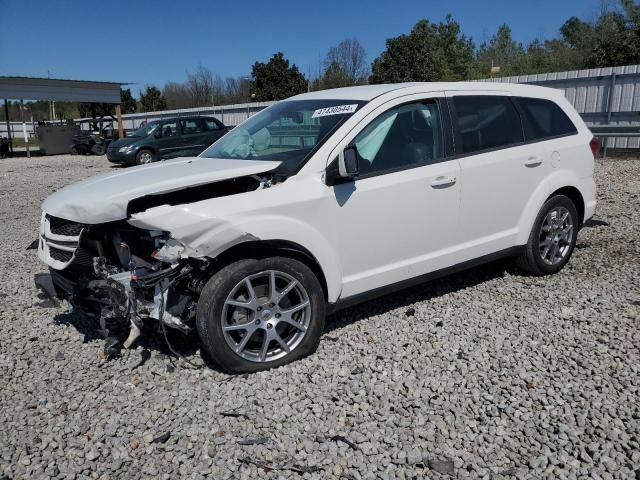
(123,299)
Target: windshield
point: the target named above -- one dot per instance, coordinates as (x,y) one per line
(145,130)
(288,131)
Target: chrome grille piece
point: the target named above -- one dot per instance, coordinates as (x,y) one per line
(59,240)
(66,228)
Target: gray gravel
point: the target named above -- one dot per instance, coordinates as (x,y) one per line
(485,374)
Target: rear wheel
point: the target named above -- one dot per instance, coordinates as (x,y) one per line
(259,314)
(552,239)
(144,156)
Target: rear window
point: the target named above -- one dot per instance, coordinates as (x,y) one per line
(545,119)
(487,122)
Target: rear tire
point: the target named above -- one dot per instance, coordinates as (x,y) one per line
(283,306)
(144,156)
(552,238)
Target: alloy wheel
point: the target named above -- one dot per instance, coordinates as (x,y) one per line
(556,235)
(266,316)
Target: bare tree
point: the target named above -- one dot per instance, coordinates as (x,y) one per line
(177,95)
(205,87)
(351,58)
(237,90)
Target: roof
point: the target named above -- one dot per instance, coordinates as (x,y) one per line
(369,92)
(33,88)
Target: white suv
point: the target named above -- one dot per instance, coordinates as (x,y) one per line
(321,201)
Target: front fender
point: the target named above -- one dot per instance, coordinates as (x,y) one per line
(209,236)
(554,182)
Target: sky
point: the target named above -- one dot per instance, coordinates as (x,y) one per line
(153,42)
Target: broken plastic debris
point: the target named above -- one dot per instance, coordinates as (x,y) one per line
(171,252)
(162,438)
(253,441)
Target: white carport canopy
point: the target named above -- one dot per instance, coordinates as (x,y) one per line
(28,88)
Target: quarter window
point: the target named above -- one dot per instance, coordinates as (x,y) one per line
(210,124)
(405,135)
(545,119)
(487,122)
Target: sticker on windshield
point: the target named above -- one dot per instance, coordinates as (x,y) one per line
(337,110)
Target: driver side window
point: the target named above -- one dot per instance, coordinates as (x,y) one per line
(402,136)
(168,129)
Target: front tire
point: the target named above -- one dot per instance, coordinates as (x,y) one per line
(144,156)
(257,314)
(552,239)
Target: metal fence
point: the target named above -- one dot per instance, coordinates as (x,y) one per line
(230,115)
(602,96)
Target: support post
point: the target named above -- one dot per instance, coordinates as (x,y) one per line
(6,116)
(612,88)
(119,117)
(24,128)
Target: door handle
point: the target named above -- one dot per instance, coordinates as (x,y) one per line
(443,181)
(533,162)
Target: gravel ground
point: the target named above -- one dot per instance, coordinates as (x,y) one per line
(485,374)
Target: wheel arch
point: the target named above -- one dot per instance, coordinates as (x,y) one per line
(576,197)
(562,182)
(147,147)
(273,248)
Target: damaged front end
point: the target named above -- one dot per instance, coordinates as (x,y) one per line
(121,275)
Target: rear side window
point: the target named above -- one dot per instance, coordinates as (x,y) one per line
(190,126)
(211,125)
(487,122)
(545,119)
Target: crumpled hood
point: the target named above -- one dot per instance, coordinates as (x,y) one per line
(104,198)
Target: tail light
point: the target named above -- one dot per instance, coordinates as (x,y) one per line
(594,144)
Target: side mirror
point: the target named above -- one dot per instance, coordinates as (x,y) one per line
(348,162)
(157,133)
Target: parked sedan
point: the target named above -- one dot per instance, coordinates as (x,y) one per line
(167,138)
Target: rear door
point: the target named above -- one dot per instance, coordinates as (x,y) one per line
(213,130)
(499,170)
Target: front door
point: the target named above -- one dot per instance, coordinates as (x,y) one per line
(167,139)
(398,219)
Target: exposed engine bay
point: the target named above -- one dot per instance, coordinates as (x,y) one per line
(123,275)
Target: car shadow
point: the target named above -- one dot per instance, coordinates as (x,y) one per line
(420,293)
(172,346)
(176,345)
